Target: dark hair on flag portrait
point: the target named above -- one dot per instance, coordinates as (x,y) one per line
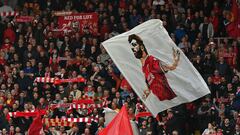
(138,40)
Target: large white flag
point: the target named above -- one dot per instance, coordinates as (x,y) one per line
(158,71)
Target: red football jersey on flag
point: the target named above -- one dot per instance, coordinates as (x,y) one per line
(156,79)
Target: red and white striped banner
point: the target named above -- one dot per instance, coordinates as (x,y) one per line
(75,103)
(9,13)
(84,106)
(53,106)
(12,114)
(44,80)
(86,97)
(101,105)
(25,114)
(78,120)
(56,122)
(57,81)
(78,106)
(67,121)
(60,81)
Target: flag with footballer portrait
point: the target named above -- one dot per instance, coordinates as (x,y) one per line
(157,70)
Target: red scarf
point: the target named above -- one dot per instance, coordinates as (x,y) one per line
(57,81)
(25,114)
(67,121)
(142,114)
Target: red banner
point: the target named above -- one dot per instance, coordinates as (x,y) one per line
(24,18)
(77,23)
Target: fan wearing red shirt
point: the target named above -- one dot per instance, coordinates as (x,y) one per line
(216,78)
(6,45)
(2,99)
(2,59)
(214,20)
(10,100)
(216,8)
(231,57)
(222,50)
(9,33)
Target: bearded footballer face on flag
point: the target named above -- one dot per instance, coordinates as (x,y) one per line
(137,46)
(154,70)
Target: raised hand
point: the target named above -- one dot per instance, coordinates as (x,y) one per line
(176,55)
(146,94)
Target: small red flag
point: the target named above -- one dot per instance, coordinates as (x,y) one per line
(36,126)
(120,125)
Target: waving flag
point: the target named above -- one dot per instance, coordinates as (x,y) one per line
(36,127)
(157,70)
(120,125)
(109,115)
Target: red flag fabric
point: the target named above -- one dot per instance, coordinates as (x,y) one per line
(36,126)
(120,125)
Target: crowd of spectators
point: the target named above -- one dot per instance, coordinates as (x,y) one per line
(26,49)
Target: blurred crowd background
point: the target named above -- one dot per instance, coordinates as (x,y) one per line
(32,49)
